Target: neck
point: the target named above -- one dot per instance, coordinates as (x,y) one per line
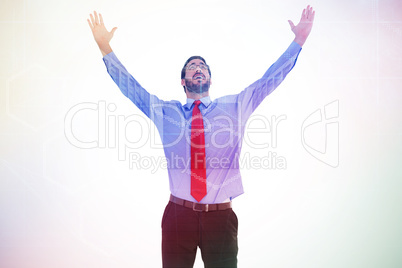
(196,96)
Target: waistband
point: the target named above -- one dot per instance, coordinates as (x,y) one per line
(200,207)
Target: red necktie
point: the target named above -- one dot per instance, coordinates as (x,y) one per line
(198,166)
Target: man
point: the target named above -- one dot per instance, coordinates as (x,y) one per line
(202,142)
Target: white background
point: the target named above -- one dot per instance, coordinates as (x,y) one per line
(63,206)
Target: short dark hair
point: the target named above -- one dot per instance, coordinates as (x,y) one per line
(183,71)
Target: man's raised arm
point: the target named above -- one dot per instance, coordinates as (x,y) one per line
(253,95)
(101,35)
(146,102)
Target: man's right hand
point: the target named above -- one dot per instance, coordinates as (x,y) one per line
(101,35)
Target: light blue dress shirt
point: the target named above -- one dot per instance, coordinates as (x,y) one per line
(224,124)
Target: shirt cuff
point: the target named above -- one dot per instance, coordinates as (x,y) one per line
(294,47)
(109,58)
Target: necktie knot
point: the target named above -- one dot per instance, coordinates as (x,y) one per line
(197,102)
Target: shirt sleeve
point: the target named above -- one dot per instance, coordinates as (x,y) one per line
(253,95)
(147,103)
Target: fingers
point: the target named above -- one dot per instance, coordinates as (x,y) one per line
(90,24)
(291,24)
(309,14)
(312,16)
(96,17)
(92,20)
(101,19)
(113,30)
(97,20)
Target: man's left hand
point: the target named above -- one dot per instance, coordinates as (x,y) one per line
(303,29)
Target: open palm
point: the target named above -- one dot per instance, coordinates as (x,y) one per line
(303,28)
(101,35)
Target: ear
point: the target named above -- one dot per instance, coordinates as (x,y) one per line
(183,82)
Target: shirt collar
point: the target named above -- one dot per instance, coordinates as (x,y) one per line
(205,100)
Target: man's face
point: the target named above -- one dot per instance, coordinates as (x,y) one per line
(197,79)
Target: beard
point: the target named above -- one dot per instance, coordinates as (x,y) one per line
(197,88)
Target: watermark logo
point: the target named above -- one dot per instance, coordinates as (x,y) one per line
(320,134)
(225,133)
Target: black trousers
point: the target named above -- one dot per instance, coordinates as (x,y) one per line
(214,232)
